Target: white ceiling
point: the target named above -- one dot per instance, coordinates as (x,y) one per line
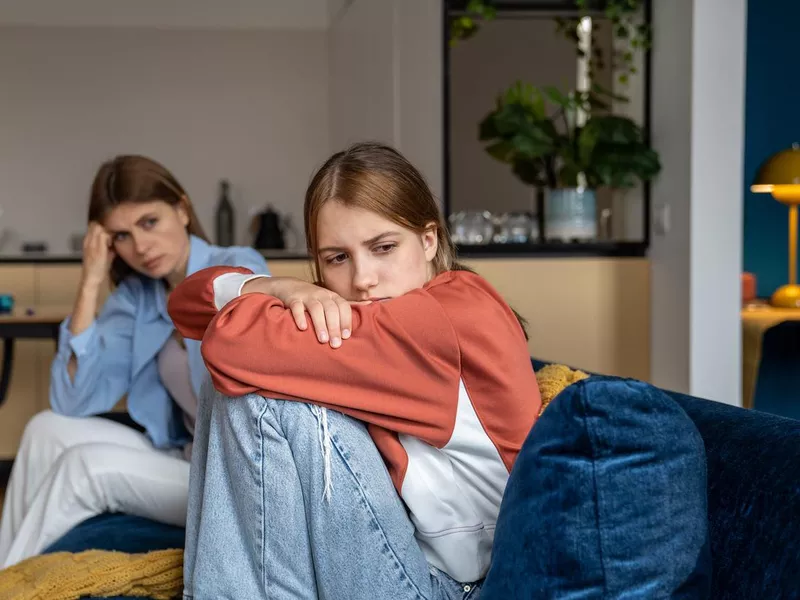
(214,14)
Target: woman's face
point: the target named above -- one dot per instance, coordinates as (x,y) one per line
(151,238)
(364,256)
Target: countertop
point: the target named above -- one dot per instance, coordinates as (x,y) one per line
(497,251)
(73,258)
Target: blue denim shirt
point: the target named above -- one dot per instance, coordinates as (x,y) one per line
(117,353)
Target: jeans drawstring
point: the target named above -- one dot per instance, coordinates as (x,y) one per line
(324,435)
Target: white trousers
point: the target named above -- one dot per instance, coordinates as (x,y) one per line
(70,469)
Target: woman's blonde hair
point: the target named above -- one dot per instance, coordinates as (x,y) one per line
(376,177)
(133,178)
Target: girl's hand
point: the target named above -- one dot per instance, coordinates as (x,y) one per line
(330,313)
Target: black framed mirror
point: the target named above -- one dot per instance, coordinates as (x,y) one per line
(503,194)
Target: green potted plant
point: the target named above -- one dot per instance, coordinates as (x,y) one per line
(549,149)
(567,144)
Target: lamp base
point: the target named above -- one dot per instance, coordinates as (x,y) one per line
(786,296)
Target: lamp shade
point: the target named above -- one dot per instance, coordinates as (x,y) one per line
(779,169)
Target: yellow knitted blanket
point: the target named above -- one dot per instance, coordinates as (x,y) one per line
(159,575)
(552,380)
(67,576)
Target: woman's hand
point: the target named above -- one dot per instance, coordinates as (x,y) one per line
(330,313)
(97,255)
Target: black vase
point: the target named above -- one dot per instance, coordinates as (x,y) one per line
(225,216)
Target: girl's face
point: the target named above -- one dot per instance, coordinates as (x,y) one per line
(364,256)
(151,238)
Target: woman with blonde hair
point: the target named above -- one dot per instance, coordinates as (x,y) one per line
(362,455)
(145,238)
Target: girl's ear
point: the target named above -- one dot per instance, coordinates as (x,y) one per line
(430,241)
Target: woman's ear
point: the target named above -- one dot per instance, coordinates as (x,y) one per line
(184,208)
(430,241)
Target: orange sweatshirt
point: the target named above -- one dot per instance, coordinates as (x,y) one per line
(441,376)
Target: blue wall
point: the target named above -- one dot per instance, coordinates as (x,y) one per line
(772,122)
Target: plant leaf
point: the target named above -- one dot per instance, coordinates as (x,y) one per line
(529,172)
(502,151)
(557,97)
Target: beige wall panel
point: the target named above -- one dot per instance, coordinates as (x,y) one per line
(22,399)
(585,312)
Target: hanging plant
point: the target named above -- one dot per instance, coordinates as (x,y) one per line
(628,24)
(467,25)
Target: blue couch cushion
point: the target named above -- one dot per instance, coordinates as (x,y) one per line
(607,499)
(123,533)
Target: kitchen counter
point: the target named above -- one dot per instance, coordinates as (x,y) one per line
(48,258)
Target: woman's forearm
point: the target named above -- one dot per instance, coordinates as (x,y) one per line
(83,315)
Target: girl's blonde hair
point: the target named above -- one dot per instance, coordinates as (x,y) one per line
(375,177)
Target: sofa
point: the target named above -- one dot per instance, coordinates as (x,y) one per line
(682,498)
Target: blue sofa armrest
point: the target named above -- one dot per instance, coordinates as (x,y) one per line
(753,461)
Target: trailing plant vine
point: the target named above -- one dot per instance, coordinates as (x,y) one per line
(627,21)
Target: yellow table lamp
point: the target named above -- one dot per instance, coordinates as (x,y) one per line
(779,175)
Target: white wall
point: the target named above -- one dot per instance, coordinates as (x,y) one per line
(698,113)
(361,71)
(386,79)
(670,254)
(718,76)
(251,106)
(336,9)
(215,14)
(418,86)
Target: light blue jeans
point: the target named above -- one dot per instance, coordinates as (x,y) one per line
(261,523)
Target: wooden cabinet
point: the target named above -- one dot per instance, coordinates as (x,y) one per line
(24,398)
(590,313)
(291,268)
(593,313)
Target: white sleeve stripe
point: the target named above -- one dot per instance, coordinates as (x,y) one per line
(229,286)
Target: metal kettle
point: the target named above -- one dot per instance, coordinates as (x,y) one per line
(269,230)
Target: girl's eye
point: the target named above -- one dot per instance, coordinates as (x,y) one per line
(385,248)
(337,259)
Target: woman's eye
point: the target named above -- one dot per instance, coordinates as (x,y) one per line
(385,248)
(119,237)
(149,223)
(337,259)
